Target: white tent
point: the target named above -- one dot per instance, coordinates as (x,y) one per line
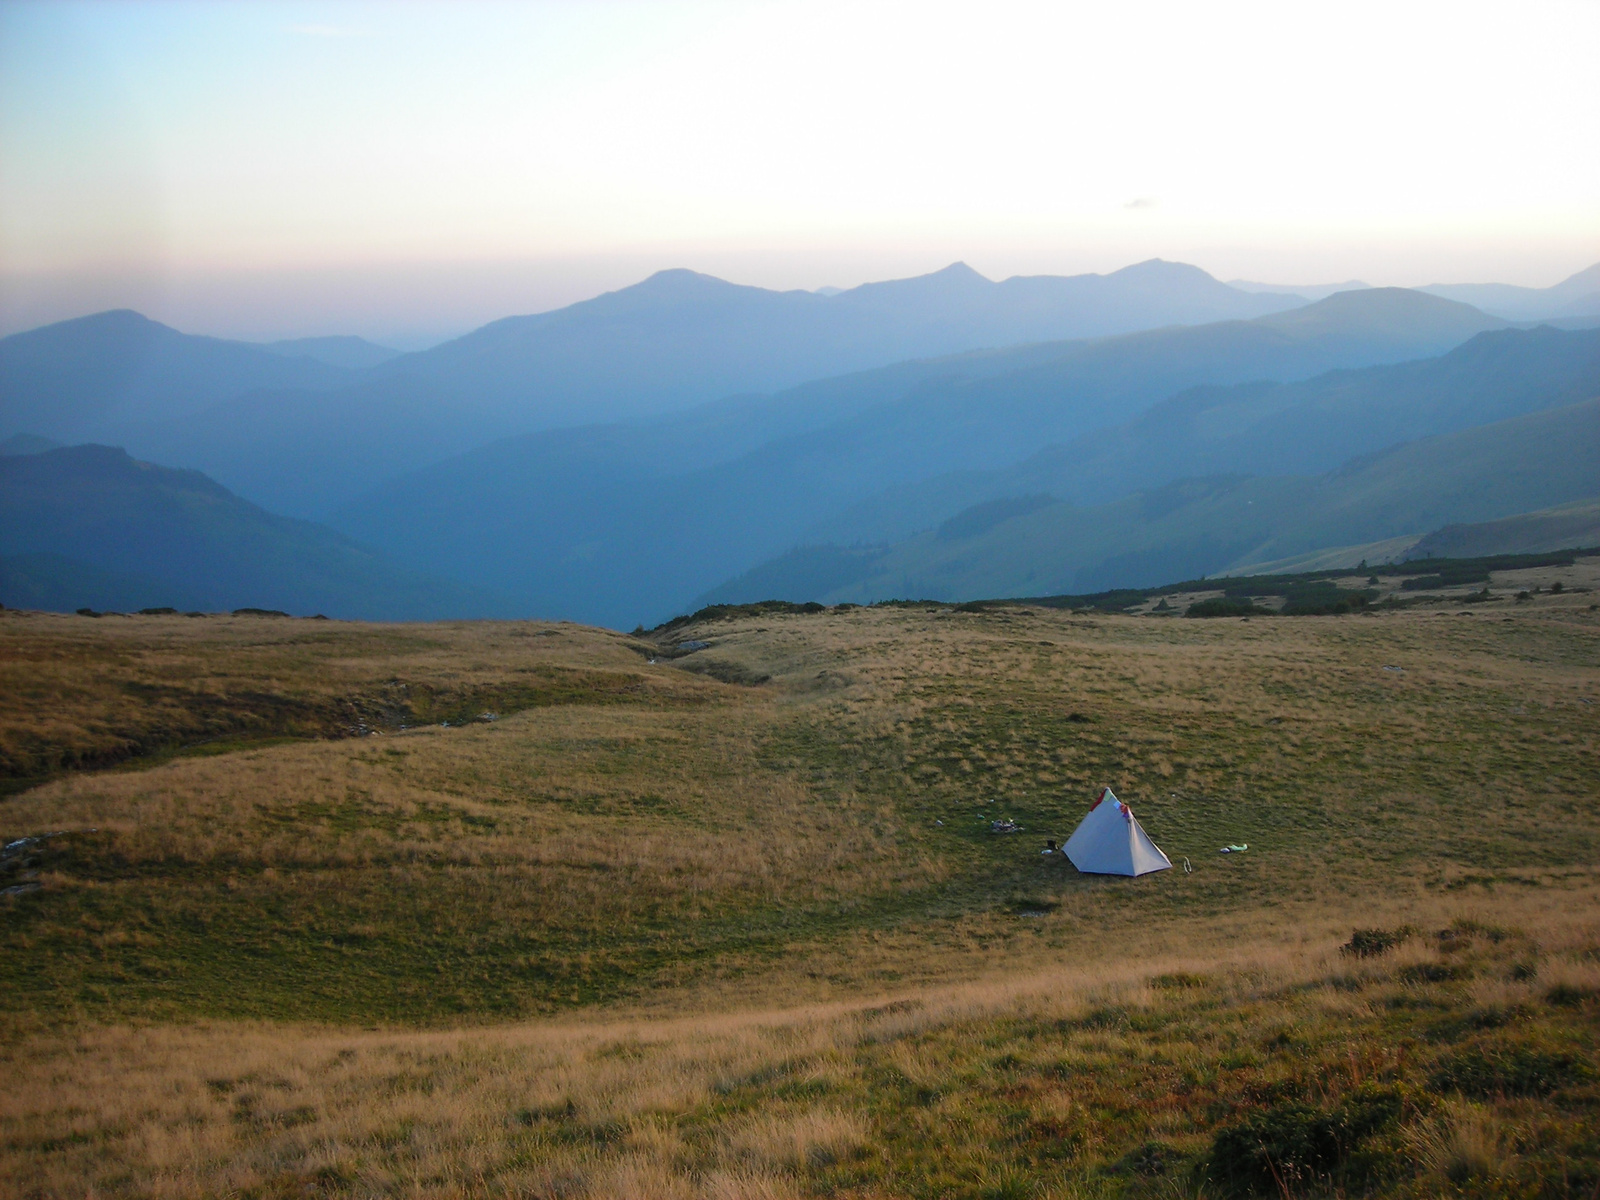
(1110,842)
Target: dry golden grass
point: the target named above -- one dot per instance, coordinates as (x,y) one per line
(793,959)
(775,1103)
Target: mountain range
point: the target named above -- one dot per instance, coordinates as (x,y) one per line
(1263,429)
(616,523)
(471,479)
(300,435)
(1576,296)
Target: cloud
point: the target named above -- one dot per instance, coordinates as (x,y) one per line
(1141,202)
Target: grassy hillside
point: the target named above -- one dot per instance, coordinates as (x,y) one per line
(1197,527)
(782,951)
(1570,525)
(88,526)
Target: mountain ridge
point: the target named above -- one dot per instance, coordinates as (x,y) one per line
(94,517)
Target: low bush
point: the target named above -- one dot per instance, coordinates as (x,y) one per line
(1509,1070)
(1221,606)
(1367,943)
(1289,1147)
(1324,598)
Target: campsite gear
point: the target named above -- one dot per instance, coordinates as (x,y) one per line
(1110,842)
(1187,868)
(1235,849)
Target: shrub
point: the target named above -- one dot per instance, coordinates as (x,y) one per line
(1323,598)
(1567,995)
(1515,1070)
(1449,574)
(1367,943)
(1288,1147)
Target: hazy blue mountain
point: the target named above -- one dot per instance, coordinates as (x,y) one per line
(680,337)
(616,525)
(1262,429)
(1030,308)
(90,526)
(1201,526)
(1577,295)
(1311,291)
(676,340)
(69,380)
(26,443)
(353,353)
(55,583)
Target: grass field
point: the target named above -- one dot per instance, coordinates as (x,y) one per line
(657,931)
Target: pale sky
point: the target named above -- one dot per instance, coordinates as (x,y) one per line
(406,171)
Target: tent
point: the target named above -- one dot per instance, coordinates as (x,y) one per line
(1110,842)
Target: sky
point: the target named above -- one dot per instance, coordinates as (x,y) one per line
(409,171)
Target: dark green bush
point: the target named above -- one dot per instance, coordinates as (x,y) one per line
(1365,943)
(1323,598)
(1292,1146)
(1513,1070)
(1567,996)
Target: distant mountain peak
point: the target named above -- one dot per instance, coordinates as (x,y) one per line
(110,319)
(957,270)
(676,279)
(941,287)
(1386,308)
(1160,267)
